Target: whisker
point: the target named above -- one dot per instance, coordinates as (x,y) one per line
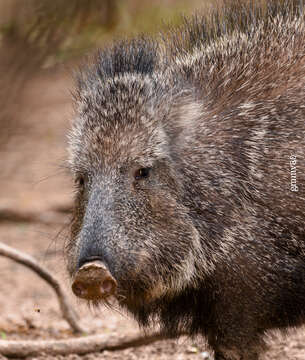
(47,177)
(113,308)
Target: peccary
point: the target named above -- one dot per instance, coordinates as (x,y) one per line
(188,157)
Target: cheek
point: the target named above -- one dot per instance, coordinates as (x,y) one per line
(166,262)
(71,253)
(163,206)
(165,239)
(165,210)
(78,216)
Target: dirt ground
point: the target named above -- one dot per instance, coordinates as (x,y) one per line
(34,182)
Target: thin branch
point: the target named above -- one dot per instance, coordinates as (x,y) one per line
(49,216)
(31,263)
(81,346)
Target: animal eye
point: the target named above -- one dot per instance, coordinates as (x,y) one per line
(80,181)
(142,173)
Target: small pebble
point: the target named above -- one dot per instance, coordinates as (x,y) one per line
(206,356)
(192,350)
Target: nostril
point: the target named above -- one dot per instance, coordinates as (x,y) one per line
(79,289)
(93,281)
(108,287)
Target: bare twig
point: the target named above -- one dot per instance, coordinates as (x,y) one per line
(49,216)
(30,262)
(81,346)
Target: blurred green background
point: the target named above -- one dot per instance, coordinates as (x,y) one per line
(40,34)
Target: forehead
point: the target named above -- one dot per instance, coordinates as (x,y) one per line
(116,123)
(97,148)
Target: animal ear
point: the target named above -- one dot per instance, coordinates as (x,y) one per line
(183,119)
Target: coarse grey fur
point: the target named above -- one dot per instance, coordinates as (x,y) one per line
(212,240)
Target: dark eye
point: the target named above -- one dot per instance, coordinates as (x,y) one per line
(142,173)
(80,181)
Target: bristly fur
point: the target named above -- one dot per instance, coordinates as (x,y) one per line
(212,242)
(137,56)
(230,17)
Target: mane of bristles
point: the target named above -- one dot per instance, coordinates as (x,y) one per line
(136,56)
(225,19)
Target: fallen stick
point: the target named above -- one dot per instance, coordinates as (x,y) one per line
(31,263)
(80,346)
(50,216)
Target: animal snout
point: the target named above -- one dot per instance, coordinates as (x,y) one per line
(93,281)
